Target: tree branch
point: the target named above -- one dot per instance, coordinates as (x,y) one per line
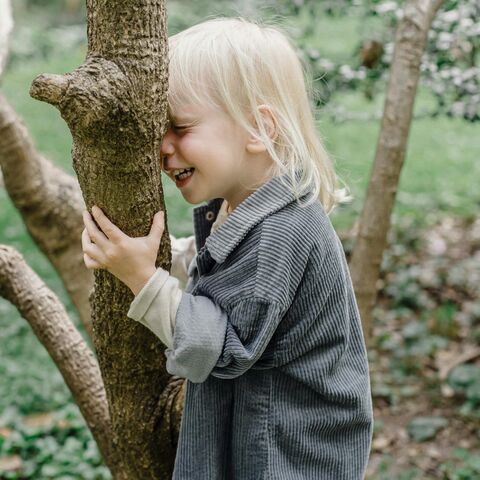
(49,321)
(51,205)
(49,88)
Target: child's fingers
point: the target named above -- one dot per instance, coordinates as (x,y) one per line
(94,234)
(90,263)
(108,228)
(157,228)
(86,242)
(92,250)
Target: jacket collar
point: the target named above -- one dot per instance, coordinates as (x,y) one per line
(269,198)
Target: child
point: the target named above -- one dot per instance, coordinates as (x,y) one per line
(267,331)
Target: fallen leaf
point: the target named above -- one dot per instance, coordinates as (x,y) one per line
(11,464)
(448,360)
(381,443)
(39,420)
(425,428)
(433,452)
(5,432)
(63,424)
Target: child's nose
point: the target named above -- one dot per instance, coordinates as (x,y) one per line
(167,147)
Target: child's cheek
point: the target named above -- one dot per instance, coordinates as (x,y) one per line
(189,144)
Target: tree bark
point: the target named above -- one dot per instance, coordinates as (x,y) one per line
(374,222)
(115,107)
(49,321)
(50,203)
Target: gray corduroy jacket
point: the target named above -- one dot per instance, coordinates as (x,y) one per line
(268,334)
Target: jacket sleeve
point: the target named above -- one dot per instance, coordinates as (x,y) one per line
(209,340)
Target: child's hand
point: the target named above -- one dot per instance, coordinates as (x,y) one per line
(131,260)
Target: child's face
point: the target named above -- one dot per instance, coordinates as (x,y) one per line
(214,146)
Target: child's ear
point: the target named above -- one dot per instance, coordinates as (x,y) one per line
(270,123)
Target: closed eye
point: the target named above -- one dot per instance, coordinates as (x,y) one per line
(178,128)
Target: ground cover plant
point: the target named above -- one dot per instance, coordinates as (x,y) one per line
(427,317)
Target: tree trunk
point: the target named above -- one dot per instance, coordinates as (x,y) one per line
(115,107)
(374,223)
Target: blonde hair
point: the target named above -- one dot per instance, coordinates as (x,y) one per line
(238,65)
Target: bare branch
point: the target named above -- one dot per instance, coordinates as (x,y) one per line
(49,321)
(49,88)
(50,203)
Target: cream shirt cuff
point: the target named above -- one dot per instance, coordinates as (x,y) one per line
(156,305)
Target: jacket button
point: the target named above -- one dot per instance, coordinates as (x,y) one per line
(210,215)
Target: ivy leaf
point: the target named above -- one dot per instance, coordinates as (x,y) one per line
(463,376)
(425,428)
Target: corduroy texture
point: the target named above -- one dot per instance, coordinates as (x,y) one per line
(269,335)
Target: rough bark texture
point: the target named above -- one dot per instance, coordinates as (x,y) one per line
(50,323)
(114,105)
(374,223)
(51,205)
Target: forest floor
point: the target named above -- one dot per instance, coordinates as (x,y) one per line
(425,356)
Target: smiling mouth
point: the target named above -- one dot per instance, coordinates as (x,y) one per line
(184,173)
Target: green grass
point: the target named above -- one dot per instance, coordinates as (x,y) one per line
(337,37)
(439,166)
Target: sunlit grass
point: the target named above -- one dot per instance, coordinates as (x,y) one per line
(439,168)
